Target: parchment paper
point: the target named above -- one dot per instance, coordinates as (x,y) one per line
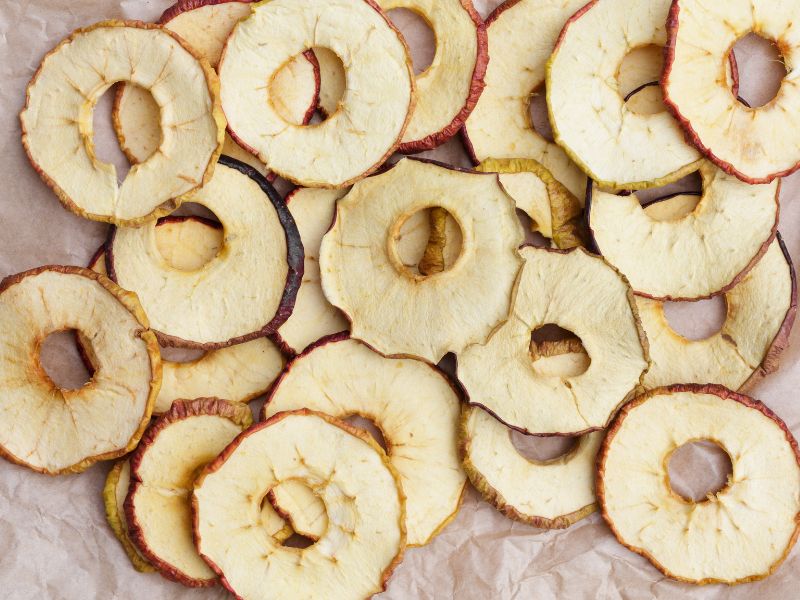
(54,541)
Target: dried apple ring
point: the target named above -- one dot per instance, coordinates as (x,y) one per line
(757,512)
(464,302)
(373,113)
(53,430)
(57,129)
(755,144)
(365,537)
(615,146)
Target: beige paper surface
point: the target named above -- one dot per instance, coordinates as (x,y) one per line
(54,541)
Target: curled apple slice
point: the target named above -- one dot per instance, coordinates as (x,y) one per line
(57,130)
(757,512)
(114,494)
(344,467)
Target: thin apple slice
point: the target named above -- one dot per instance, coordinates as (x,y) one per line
(757,512)
(359,255)
(413,405)
(367,127)
(158,506)
(114,493)
(757,145)
(704,254)
(57,121)
(53,430)
(579,292)
(554,211)
(365,537)
(247,291)
(761,311)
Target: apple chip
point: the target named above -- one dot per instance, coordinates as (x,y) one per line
(374,110)
(245,292)
(583,294)
(345,468)
(163,468)
(418,315)
(760,314)
(205,25)
(521,35)
(313,317)
(239,373)
(617,147)
(411,402)
(703,254)
(554,211)
(57,129)
(114,493)
(756,144)
(757,512)
(53,430)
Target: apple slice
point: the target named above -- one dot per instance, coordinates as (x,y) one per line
(205,25)
(761,311)
(521,36)
(413,405)
(53,430)
(158,505)
(757,145)
(554,211)
(57,121)
(359,255)
(367,127)
(615,146)
(247,291)
(579,292)
(114,493)
(365,537)
(757,512)
(704,254)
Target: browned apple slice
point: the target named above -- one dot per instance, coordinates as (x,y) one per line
(366,128)
(247,291)
(158,506)
(57,130)
(344,467)
(757,512)
(54,430)
(464,302)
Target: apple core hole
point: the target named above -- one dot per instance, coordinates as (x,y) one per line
(762,69)
(638,80)
(557,352)
(105,140)
(414,26)
(292,89)
(697,320)
(699,470)
(190,238)
(61,359)
(542,449)
(538,115)
(370,427)
(532,238)
(427,243)
(691,184)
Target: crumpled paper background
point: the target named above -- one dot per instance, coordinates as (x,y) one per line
(54,541)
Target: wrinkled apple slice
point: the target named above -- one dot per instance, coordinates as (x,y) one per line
(247,291)
(757,512)
(760,314)
(580,292)
(521,34)
(615,146)
(205,25)
(114,493)
(53,430)
(412,404)
(366,128)
(57,129)
(757,145)
(359,256)
(705,253)
(238,373)
(158,505)
(554,211)
(345,468)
